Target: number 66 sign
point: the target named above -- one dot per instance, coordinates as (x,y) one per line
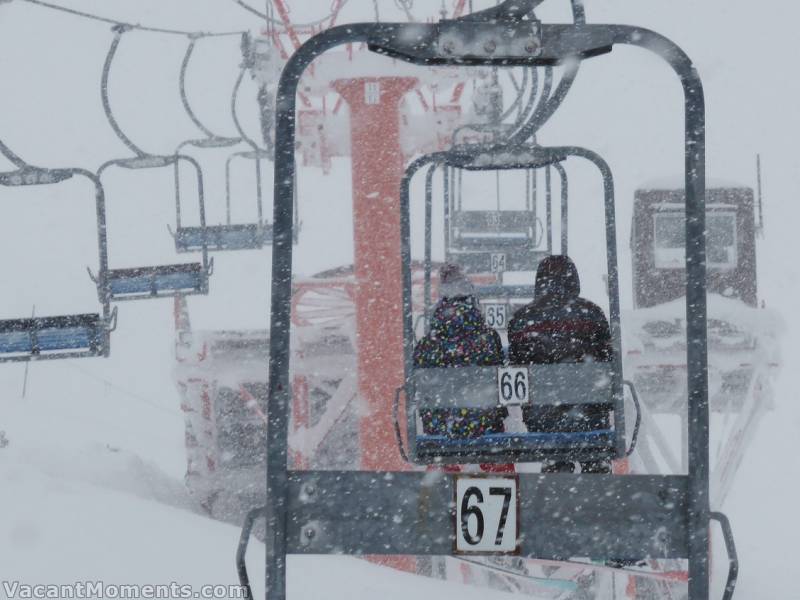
(487,515)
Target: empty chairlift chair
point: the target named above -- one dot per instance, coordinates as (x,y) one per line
(64,336)
(159,281)
(499,240)
(491,241)
(581,385)
(487,243)
(227,235)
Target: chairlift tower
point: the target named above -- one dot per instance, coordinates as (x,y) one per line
(374,97)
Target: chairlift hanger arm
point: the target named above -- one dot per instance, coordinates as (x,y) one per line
(182,85)
(212,139)
(118,30)
(235,114)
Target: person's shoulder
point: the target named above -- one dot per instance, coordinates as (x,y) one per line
(589,308)
(522,314)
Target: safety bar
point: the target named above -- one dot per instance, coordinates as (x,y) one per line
(733,557)
(241,550)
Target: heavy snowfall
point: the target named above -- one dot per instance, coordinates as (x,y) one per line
(105,461)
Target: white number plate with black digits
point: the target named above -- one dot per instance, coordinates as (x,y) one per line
(496,315)
(487,515)
(512,386)
(498,263)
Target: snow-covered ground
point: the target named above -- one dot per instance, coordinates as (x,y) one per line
(92,478)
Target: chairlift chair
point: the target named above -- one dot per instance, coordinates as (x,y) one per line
(159,281)
(576,384)
(501,240)
(561,516)
(64,336)
(228,235)
(494,242)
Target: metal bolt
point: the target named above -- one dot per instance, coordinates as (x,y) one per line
(448,47)
(310,533)
(490,46)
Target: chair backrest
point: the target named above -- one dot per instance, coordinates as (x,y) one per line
(483,387)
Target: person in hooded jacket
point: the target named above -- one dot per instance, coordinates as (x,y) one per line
(561,327)
(459,337)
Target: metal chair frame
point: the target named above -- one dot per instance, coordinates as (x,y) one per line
(65,336)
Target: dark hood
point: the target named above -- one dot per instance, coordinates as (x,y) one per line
(454,317)
(557,280)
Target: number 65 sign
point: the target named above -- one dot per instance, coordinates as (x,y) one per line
(487,515)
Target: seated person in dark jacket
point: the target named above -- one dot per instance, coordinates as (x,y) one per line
(561,327)
(459,337)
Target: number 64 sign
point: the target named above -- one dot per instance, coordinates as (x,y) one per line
(487,515)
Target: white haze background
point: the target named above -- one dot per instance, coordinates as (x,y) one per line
(92,479)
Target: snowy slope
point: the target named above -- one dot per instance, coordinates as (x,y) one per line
(66,523)
(92,478)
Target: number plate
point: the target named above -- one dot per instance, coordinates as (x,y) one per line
(372,92)
(498,263)
(496,315)
(512,386)
(487,515)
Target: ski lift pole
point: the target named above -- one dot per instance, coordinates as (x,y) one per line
(760,197)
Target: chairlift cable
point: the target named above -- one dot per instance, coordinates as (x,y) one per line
(136,26)
(276,22)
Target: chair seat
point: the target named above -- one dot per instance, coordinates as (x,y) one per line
(521,447)
(158,281)
(505,292)
(71,335)
(479,260)
(216,238)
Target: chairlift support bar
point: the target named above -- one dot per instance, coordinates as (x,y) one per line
(425,44)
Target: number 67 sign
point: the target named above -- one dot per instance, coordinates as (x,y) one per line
(487,515)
